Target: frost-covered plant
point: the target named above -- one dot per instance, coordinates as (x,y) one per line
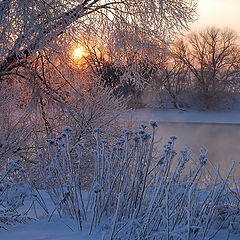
(14,190)
(143,195)
(168,197)
(61,177)
(25,129)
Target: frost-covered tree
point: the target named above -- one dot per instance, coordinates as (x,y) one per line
(27,26)
(36,39)
(212,56)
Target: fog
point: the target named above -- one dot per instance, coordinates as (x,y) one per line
(221,141)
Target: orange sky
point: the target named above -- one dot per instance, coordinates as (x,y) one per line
(219,13)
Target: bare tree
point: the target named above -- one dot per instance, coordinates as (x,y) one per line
(173,77)
(212,56)
(27,26)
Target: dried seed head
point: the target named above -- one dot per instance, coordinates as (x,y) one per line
(143,125)
(96,130)
(50,141)
(67,129)
(59,138)
(126,132)
(63,135)
(183,151)
(136,138)
(153,124)
(120,142)
(201,157)
(97,187)
(173,137)
(103,141)
(79,145)
(141,132)
(146,136)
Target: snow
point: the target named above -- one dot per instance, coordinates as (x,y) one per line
(44,230)
(178,116)
(57,229)
(66,229)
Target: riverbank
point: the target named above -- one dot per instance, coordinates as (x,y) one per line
(178,116)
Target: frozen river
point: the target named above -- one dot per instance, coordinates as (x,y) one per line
(221,140)
(218,132)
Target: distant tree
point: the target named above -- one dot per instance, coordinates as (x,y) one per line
(173,77)
(213,57)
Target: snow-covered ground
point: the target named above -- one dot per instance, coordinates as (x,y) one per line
(66,229)
(50,227)
(57,230)
(173,115)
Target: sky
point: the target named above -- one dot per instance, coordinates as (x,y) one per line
(219,13)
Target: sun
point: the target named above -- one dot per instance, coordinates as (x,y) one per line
(78,53)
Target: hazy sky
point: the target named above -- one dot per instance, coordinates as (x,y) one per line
(220,13)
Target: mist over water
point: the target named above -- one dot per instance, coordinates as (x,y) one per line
(221,140)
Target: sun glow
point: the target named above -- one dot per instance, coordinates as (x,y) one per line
(78,53)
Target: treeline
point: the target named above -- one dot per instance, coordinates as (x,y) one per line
(200,70)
